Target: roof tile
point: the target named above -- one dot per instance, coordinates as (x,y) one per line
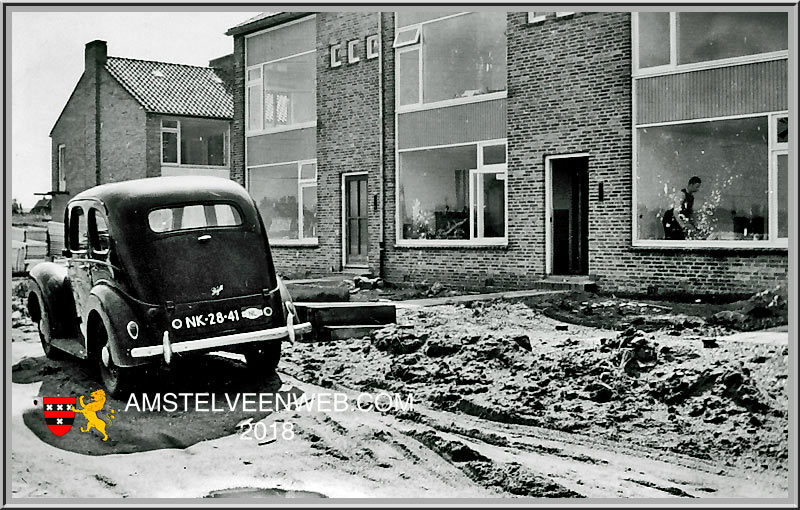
(174,89)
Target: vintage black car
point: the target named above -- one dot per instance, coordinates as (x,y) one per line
(162,267)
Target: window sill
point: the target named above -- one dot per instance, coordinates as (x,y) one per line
(492,96)
(204,167)
(458,245)
(711,247)
(711,64)
(295,243)
(292,127)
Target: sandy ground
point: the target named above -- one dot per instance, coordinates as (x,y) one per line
(484,422)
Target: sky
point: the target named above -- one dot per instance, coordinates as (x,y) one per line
(46,61)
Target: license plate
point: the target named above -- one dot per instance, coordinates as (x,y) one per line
(221,317)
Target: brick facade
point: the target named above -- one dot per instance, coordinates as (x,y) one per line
(569,92)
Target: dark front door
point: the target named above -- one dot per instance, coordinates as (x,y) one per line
(355,220)
(570,202)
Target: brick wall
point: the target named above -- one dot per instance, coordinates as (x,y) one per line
(74,129)
(152,133)
(122,133)
(348,128)
(237,125)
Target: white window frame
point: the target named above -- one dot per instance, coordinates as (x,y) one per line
(673,67)
(260,84)
(373,46)
(536,17)
(500,168)
(61,175)
(688,244)
(336,57)
(352,54)
(776,150)
(564,14)
(302,186)
(409,46)
(415,29)
(177,131)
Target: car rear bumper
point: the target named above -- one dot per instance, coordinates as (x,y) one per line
(167,348)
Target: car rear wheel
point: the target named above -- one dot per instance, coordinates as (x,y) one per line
(263,360)
(118,381)
(37,310)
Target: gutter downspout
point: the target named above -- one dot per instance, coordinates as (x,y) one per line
(382,241)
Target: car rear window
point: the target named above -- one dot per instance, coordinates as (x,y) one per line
(186,217)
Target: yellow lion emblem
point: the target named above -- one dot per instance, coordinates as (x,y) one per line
(90,411)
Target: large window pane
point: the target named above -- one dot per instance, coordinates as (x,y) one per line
(783,195)
(653,39)
(290,91)
(493,205)
(204,143)
(309,211)
(464,56)
(705,36)
(275,190)
(408,77)
(169,147)
(732,159)
(434,192)
(282,42)
(406,18)
(255,108)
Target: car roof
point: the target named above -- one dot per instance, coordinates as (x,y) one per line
(142,194)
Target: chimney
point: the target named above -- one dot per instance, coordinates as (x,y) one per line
(223,66)
(96,54)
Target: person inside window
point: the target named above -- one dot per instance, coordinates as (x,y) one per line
(679,220)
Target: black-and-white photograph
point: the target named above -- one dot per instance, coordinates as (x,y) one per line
(400,254)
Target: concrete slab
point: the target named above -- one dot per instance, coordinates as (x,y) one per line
(450,300)
(774,336)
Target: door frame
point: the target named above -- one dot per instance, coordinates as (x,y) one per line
(548,205)
(345,175)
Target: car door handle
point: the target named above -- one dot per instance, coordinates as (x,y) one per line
(204,238)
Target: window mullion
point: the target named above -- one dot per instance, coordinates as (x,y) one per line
(179,143)
(673,39)
(773,194)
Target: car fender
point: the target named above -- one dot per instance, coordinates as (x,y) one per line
(115,313)
(50,282)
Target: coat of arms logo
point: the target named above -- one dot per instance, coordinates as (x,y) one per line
(59,414)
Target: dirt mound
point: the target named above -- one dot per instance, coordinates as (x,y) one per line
(395,339)
(505,362)
(762,310)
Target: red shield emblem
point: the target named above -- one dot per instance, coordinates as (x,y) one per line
(58,414)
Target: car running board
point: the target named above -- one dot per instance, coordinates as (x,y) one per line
(71,346)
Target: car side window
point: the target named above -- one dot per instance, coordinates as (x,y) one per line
(98,234)
(78,230)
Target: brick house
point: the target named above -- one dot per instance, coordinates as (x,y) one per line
(506,148)
(130,119)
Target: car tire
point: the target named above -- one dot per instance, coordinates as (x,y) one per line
(263,360)
(117,381)
(45,333)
